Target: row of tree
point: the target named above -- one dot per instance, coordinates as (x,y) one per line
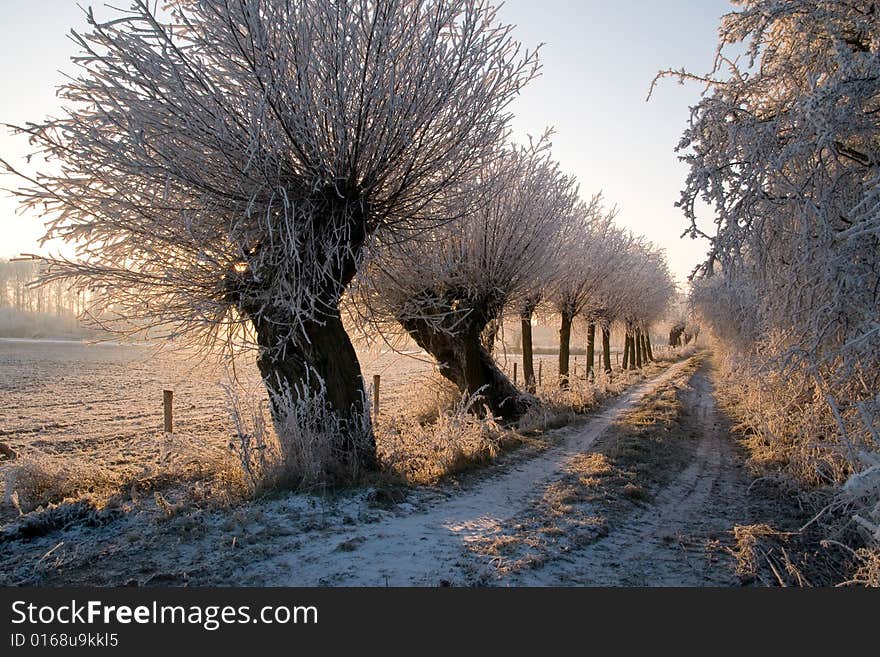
(523,243)
(17,291)
(259,163)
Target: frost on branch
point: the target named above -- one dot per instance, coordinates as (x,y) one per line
(230,166)
(786,149)
(445,289)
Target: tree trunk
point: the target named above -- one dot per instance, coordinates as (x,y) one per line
(591,349)
(463,360)
(626,351)
(318,355)
(638,348)
(606,349)
(324,356)
(564,346)
(631,342)
(648,348)
(527,354)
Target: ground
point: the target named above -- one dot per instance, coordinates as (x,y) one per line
(677,538)
(646,491)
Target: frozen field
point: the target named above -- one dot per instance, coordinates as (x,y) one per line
(99,406)
(102,403)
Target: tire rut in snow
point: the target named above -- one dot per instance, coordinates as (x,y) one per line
(675,539)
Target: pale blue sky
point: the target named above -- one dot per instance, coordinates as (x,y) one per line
(598,62)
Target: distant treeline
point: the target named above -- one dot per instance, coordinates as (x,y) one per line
(18,292)
(36,311)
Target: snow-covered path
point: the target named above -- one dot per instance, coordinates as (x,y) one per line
(665,543)
(430,547)
(533,519)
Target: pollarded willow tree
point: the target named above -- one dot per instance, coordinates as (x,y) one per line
(643,300)
(230,164)
(786,149)
(588,257)
(444,291)
(534,292)
(612,287)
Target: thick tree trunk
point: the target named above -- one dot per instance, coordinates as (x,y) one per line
(527,354)
(564,349)
(606,349)
(626,351)
(324,356)
(317,355)
(463,360)
(638,348)
(631,350)
(591,349)
(648,350)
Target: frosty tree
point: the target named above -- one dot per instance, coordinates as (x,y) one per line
(613,286)
(446,290)
(610,298)
(588,256)
(232,164)
(643,300)
(785,146)
(786,149)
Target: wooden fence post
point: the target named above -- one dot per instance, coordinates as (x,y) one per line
(376,379)
(167,402)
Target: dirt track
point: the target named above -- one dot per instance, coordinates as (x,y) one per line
(432,547)
(668,542)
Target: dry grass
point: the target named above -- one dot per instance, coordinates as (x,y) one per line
(456,440)
(426,401)
(43,494)
(793,440)
(785,422)
(439,435)
(648,442)
(561,406)
(560,521)
(867,572)
(747,539)
(676,354)
(40,482)
(303,445)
